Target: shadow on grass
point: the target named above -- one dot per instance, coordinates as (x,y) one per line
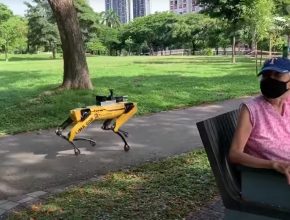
(27,58)
(198,61)
(14,92)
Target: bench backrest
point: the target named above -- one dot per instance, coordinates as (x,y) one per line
(216,134)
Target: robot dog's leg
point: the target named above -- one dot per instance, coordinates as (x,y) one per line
(106,126)
(63,126)
(126,146)
(93,143)
(76,149)
(59,130)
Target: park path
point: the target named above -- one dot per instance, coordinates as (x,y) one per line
(36,161)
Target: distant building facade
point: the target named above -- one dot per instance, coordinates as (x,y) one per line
(141,8)
(184,6)
(121,7)
(127,10)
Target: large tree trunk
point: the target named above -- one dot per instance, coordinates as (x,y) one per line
(76,73)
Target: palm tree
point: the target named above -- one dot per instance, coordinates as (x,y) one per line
(110,18)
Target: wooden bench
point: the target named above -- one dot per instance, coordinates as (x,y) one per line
(239,186)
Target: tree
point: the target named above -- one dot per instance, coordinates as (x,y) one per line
(42,26)
(217,35)
(88,19)
(155,29)
(95,46)
(259,18)
(282,7)
(231,11)
(193,29)
(276,30)
(129,43)
(13,34)
(110,18)
(110,38)
(283,24)
(5,13)
(76,73)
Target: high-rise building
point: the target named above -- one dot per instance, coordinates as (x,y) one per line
(141,8)
(127,10)
(184,6)
(121,7)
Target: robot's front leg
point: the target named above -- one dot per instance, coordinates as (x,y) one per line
(62,127)
(93,143)
(59,131)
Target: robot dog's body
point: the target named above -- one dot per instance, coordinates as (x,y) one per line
(108,109)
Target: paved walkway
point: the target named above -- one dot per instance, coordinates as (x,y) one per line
(213,211)
(33,162)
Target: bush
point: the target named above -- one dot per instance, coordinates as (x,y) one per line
(207,52)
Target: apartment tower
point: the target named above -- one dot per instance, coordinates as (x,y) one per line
(184,6)
(141,8)
(127,10)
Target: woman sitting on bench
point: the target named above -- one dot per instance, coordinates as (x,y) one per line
(262,136)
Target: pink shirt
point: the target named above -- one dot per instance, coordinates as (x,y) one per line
(270,137)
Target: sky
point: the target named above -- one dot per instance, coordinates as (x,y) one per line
(18,7)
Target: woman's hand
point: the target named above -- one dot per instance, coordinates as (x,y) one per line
(283,168)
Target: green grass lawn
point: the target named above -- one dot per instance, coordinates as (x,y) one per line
(155,83)
(169,189)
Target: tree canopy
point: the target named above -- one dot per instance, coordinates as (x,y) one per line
(42,30)
(13,31)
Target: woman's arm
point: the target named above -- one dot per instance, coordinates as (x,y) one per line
(241,136)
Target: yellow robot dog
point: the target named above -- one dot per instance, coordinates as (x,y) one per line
(108,109)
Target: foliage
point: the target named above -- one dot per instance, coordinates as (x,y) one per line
(110,38)
(89,20)
(111,19)
(230,10)
(95,46)
(13,34)
(282,7)
(259,17)
(5,13)
(155,29)
(218,34)
(207,52)
(196,29)
(42,30)
(129,43)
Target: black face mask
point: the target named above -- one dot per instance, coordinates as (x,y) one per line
(272,88)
